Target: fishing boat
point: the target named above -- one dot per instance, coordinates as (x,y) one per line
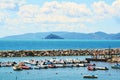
(101,68)
(90,76)
(116,66)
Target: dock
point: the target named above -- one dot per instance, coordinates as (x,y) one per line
(103,55)
(93,59)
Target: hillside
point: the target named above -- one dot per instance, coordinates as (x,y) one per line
(64,35)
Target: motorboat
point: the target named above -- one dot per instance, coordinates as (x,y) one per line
(90,76)
(90,68)
(101,68)
(116,66)
(17,68)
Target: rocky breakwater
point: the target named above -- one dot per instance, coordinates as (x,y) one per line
(79,52)
(24,53)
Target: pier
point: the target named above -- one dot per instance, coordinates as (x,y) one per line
(104,55)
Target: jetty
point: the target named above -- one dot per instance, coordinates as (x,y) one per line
(96,54)
(104,55)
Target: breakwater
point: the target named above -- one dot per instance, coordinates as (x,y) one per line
(94,52)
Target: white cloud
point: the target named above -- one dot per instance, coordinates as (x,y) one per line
(62,16)
(3,17)
(10,4)
(116,6)
(103,10)
(55,12)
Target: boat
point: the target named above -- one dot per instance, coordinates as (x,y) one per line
(36,67)
(90,68)
(59,65)
(90,76)
(52,66)
(91,64)
(82,65)
(41,67)
(26,67)
(101,68)
(116,66)
(17,68)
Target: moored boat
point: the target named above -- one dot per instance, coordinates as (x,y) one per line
(17,68)
(25,67)
(117,66)
(90,76)
(90,68)
(101,68)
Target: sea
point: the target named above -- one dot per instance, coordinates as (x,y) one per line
(57,44)
(73,73)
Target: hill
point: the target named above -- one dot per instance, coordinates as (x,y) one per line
(64,35)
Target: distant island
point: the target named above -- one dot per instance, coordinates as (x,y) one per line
(53,36)
(64,35)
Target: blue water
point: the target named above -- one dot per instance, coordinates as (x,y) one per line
(7,73)
(57,44)
(75,73)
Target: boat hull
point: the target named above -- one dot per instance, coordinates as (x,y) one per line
(90,76)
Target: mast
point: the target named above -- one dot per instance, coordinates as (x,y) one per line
(109,52)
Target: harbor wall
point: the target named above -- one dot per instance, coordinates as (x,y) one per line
(79,52)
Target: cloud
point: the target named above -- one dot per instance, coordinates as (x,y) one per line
(116,6)
(3,17)
(54,15)
(55,12)
(103,10)
(6,9)
(67,12)
(10,4)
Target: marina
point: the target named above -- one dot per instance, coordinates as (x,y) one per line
(59,39)
(58,70)
(39,63)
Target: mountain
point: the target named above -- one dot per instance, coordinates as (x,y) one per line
(52,36)
(64,35)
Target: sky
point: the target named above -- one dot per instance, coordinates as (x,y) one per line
(83,16)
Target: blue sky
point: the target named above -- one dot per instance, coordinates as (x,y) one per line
(83,16)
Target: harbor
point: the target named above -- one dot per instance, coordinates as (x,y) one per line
(58,70)
(106,55)
(79,64)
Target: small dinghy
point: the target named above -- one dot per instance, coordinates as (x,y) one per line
(116,66)
(90,76)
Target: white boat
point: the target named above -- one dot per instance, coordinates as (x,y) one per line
(90,76)
(101,68)
(59,65)
(81,65)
